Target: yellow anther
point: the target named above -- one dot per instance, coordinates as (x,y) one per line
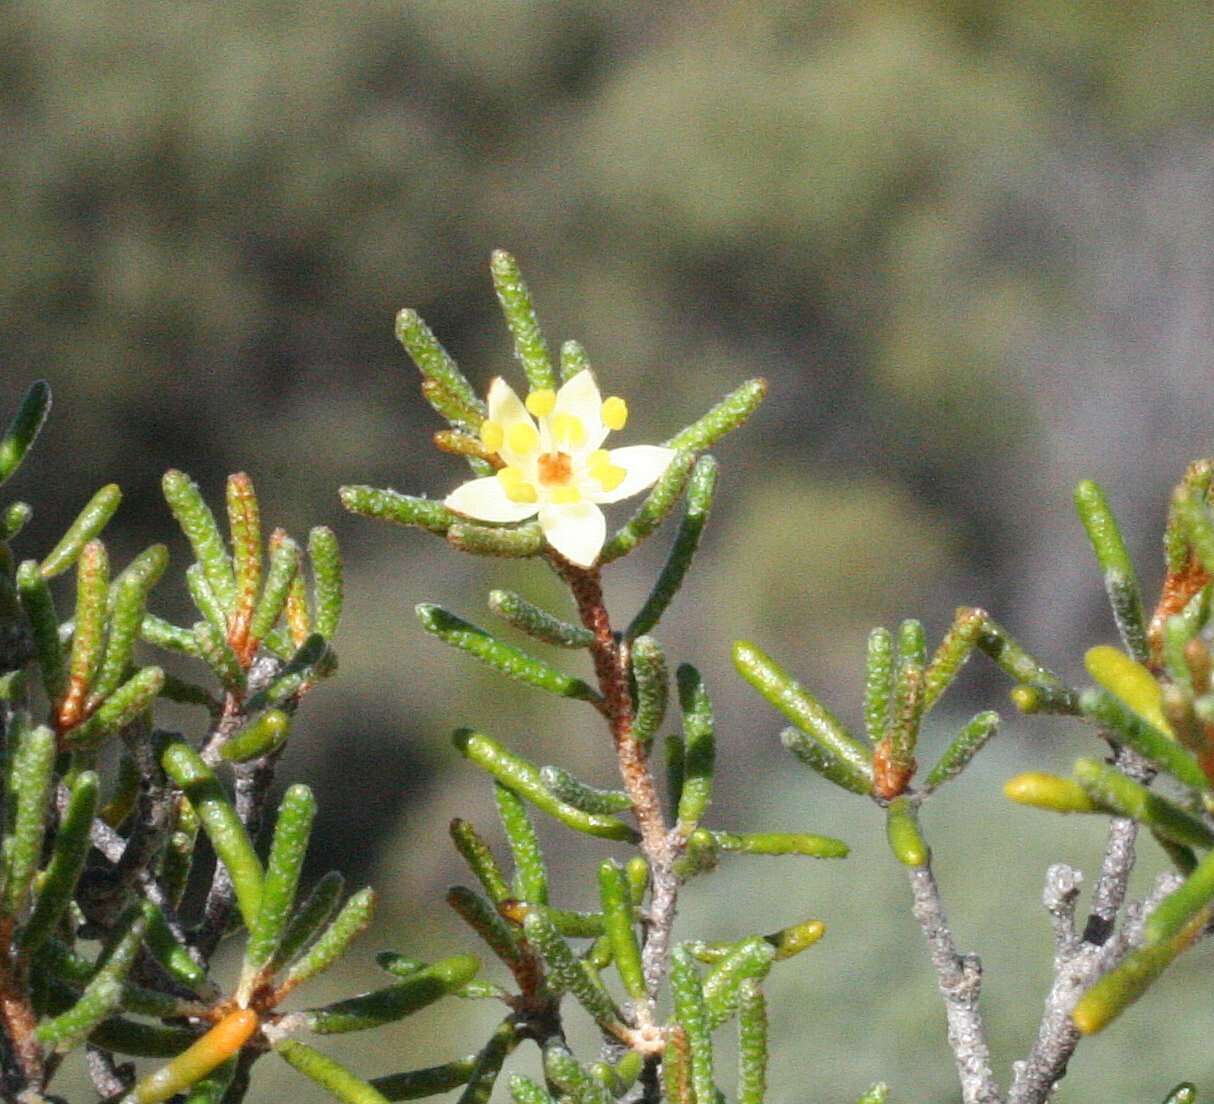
(598,462)
(610,477)
(510,477)
(522,492)
(615,412)
(565,496)
(540,403)
(522,437)
(492,435)
(568,430)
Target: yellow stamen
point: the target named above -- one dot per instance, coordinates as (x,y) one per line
(568,430)
(522,437)
(598,462)
(565,496)
(610,477)
(492,435)
(540,403)
(522,492)
(510,477)
(615,412)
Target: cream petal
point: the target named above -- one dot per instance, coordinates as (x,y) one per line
(485,500)
(577,531)
(644,465)
(580,397)
(507,409)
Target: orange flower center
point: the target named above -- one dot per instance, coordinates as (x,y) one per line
(555,468)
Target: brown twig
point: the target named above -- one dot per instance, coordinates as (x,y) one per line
(659,844)
(18,1017)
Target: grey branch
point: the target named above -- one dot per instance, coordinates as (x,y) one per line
(1079,962)
(960,980)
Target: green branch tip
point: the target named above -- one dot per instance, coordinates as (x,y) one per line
(1111,789)
(308,919)
(530,872)
(781,843)
(523,779)
(958,755)
(433,361)
(328,1073)
(395,1002)
(70,851)
(516,542)
(30,773)
(1120,580)
(817,758)
(484,919)
(804,710)
(691,1014)
(565,972)
(198,524)
(502,657)
(699,748)
(701,486)
(292,831)
(479,857)
(751,958)
(752,1042)
(262,736)
(729,414)
(1130,728)
(902,830)
(529,345)
(590,799)
(402,509)
(1192,899)
(89,522)
(13,518)
(24,428)
(223,826)
(618,924)
(539,623)
(652,682)
(351,921)
(1043,790)
(878,683)
(414,1084)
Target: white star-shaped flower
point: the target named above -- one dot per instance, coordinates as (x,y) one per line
(554,465)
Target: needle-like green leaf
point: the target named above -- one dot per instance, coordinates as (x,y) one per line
(389,505)
(700,489)
(23,430)
(328,1073)
(523,778)
(1120,580)
(529,344)
(503,657)
(804,710)
(730,413)
(223,826)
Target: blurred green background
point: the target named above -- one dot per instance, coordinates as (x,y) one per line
(968,243)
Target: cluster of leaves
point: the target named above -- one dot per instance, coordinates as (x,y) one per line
(617,963)
(1153,703)
(108,927)
(107,930)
